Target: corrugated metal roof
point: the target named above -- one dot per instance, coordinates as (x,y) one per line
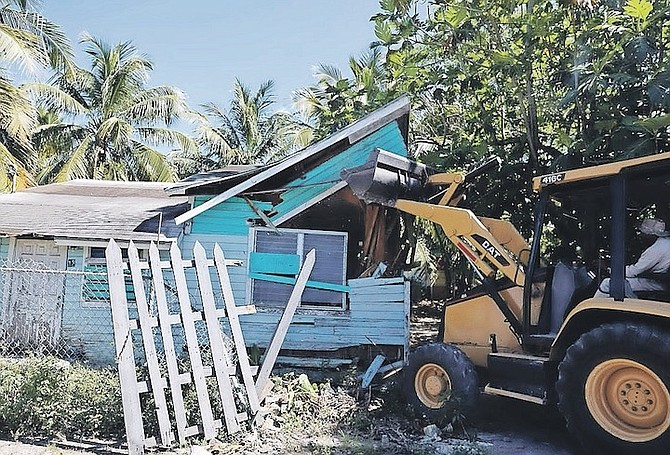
(92,210)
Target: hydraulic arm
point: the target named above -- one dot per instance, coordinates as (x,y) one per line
(490,245)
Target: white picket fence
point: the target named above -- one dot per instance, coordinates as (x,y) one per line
(155,330)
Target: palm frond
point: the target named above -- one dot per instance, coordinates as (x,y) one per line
(162,103)
(53,98)
(75,165)
(114,131)
(164,136)
(19,47)
(54,41)
(13,175)
(329,74)
(17,114)
(152,163)
(30,37)
(214,141)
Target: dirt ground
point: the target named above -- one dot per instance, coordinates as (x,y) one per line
(507,427)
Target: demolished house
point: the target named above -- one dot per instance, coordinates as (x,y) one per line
(268,218)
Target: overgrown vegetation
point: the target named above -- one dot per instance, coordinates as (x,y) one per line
(49,397)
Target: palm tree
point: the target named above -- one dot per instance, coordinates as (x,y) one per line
(117,122)
(28,41)
(337,101)
(249,132)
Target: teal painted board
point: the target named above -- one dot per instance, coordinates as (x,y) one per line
(295,197)
(274,263)
(291,281)
(374,282)
(388,138)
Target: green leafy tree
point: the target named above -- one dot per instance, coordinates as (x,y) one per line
(116,123)
(618,105)
(28,42)
(336,101)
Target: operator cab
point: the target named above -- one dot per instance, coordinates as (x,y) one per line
(586,230)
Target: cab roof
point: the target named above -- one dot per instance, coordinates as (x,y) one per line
(594,172)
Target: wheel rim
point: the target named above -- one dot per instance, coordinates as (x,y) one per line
(432,385)
(628,400)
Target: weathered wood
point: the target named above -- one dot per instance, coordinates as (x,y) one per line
(406,325)
(364,282)
(146,328)
(372,371)
(220,356)
(283,325)
(192,344)
(166,321)
(233,319)
(132,412)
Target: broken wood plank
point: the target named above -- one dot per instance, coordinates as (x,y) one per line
(166,322)
(132,411)
(146,328)
(236,329)
(192,344)
(372,371)
(282,326)
(220,356)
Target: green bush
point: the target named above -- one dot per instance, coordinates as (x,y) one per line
(47,396)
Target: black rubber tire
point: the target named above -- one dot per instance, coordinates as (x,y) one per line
(646,345)
(462,375)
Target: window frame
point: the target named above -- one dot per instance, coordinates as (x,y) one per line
(300,251)
(89,260)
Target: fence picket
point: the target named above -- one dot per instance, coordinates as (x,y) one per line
(146,327)
(132,411)
(188,320)
(232,312)
(165,323)
(272,351)
(220,357)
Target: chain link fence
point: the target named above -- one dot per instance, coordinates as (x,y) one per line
(54,312)
(67,314)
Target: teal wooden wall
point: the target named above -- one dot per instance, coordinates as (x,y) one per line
(232,216)
(378,312)
(229,218)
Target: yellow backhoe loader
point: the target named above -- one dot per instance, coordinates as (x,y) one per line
(532,325)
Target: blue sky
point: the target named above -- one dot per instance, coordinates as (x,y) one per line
(201,46)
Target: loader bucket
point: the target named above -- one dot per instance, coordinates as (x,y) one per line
(387,177)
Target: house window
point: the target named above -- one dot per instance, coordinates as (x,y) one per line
(96,287)
(275,260)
